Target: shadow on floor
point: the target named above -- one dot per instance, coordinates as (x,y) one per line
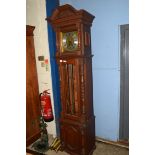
(101,149)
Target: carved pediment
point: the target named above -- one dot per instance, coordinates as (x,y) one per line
(66,15)
(63,11)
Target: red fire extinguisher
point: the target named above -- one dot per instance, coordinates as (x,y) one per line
(46,106)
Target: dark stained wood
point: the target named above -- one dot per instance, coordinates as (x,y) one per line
(77,123)
(29,30)
(32,94)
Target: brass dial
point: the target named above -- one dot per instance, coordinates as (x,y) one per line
(69,41)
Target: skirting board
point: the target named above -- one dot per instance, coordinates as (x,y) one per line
(111,142)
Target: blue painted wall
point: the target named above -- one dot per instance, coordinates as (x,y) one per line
(106,63)
(50,6)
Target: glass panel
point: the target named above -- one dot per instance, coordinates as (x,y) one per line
(70,89)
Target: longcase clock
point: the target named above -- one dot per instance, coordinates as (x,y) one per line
(74,58)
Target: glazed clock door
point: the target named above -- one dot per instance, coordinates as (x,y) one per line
(69,87)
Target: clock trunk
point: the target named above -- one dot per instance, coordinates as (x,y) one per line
(74,59)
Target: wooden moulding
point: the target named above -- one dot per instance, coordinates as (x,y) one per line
(67,13)
(118,143)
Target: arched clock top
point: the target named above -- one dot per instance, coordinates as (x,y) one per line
(68,13)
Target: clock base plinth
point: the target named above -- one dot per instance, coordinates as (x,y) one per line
(78,138)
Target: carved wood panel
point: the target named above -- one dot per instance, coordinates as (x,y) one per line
(71,138)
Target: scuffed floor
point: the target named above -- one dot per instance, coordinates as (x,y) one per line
(101,149)
(108,149)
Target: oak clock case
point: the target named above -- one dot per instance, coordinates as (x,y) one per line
(74,59)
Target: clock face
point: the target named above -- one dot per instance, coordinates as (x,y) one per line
(70,41)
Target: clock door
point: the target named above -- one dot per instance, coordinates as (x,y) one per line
(69,87)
